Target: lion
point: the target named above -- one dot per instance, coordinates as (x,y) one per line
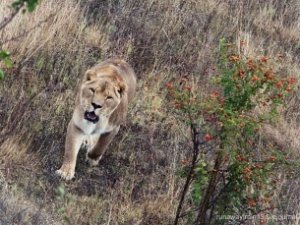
(101,107)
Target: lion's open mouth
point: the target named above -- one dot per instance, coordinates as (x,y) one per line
(91,116)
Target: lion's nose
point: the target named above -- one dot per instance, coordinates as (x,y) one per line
(96,106)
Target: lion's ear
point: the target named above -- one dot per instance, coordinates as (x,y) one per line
(90,75)
(121,88)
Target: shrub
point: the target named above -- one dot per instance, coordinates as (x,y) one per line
(242,177)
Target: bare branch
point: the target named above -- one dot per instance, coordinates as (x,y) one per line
(26,32)
(189,178)
(210,191)
(10,17)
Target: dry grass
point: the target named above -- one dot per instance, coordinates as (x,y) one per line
(136,183)
(17,208)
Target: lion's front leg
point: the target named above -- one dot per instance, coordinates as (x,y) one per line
(95,154)
(73,143)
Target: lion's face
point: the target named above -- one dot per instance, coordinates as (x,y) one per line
(100,96)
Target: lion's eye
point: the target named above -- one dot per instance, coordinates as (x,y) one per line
(109,97)
(92,90)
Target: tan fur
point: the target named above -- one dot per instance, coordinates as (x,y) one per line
(109,85)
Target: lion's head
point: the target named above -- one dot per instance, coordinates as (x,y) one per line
(101,93)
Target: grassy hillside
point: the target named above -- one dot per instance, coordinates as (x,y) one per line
(137,180)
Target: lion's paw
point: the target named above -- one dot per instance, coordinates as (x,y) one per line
(93,162)
(66,173)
